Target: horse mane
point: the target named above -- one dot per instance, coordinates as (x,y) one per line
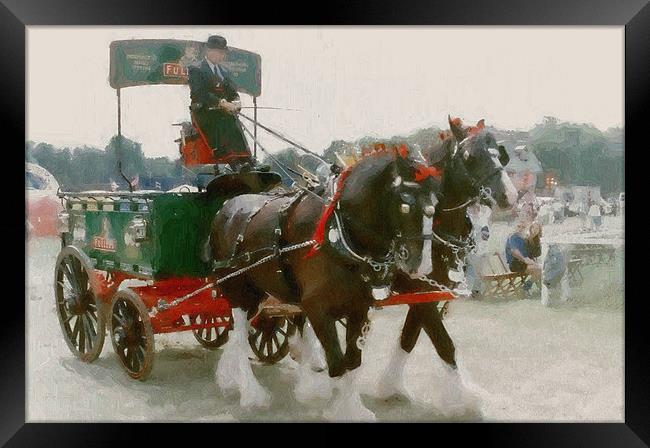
(381,148)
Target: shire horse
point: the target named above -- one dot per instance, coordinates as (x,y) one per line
(473,170)
(382,208)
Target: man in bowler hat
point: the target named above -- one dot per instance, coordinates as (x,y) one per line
(215,104)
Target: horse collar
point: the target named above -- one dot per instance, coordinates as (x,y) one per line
(337,237)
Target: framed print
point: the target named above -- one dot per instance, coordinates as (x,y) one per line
(390,216)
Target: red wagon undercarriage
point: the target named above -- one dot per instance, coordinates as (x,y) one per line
(194,313)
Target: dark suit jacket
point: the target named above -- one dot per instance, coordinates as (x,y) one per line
(221,128)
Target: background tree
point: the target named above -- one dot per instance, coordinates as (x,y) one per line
(129,153)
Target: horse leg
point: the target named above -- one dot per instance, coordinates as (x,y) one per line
(234,371)
(311,384)
(391,383)
(455,398)
(305,348)
(434,328)
(347,404)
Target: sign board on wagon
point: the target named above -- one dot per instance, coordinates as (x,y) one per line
(138,62)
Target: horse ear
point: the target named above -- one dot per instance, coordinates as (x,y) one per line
(456,127)
(481,123)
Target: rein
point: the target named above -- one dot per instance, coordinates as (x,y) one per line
(339,239)
(319,232)
(476,184)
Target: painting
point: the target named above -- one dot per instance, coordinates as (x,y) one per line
(376,224)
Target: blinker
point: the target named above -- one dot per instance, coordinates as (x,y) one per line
(405,208)
(407,198)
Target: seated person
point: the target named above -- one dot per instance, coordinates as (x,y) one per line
(595,217)
(215,104)
(522,248)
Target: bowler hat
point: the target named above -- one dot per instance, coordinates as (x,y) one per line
(217,42)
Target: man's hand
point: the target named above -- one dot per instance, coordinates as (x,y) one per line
(233,107)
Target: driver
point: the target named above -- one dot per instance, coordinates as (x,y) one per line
(215,104)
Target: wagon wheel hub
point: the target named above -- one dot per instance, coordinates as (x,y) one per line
(269,338)
(76,304)
(133,335)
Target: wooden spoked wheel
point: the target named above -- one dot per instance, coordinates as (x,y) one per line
(269,338)
(77,307)
(214,337)
(132,334)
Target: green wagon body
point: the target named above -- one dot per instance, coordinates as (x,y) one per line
(176,231)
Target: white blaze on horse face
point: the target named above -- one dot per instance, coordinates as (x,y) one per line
(425,267)
(506,182)
(511,191)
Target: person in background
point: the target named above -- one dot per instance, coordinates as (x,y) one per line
(522,249)
(595,218)
(526,208)
(558,211)
(582,212)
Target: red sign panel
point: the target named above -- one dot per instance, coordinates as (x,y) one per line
(105,244)
(172,70)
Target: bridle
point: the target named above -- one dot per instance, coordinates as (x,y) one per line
(378,264)
(381,266)
(482,192)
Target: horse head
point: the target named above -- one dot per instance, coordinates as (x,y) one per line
(391,198)
(474,164)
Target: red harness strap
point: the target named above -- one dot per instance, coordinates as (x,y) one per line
(424,171)
(319,233)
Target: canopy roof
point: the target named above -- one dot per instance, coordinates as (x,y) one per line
(138,62)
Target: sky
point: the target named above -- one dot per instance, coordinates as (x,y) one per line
(347,82)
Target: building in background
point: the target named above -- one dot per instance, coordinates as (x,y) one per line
(524,168)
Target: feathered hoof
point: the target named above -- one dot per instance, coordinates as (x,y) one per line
(345,411)
(255,398)
(346,405)
(312,387)
(390,390)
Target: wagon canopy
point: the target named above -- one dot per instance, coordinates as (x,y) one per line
(137,62)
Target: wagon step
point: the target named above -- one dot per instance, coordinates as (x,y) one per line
(281,309)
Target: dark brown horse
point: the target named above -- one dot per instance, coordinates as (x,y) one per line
(472,163)
(372,227)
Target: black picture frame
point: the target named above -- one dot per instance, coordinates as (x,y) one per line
(16,15)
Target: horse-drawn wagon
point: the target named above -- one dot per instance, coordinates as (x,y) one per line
(138,263)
